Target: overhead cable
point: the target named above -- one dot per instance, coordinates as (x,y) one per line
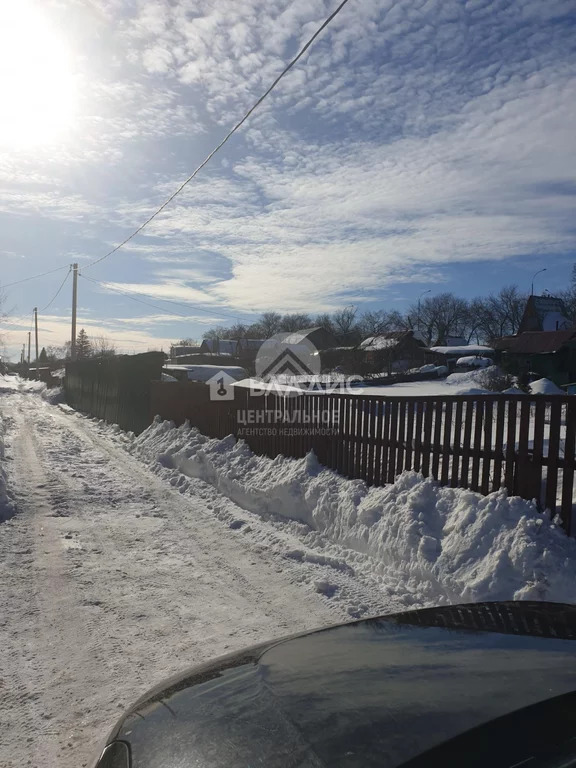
(228,136)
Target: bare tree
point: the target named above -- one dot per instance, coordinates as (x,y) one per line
(269,324)
(325,321)
(441,316)
(379,321)
(295,322)
(344,322)
(102,347)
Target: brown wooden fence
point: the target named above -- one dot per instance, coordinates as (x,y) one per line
(524,443)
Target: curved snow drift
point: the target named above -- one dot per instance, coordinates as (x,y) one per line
(447,544)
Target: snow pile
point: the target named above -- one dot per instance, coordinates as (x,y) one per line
(6,504)
(445,544)
(18,384)
(545,387)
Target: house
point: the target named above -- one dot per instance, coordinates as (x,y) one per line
(551,354)
(247,349)
(449,355)
(393,350)
(177,350)
(220,346)
(318,336)
(544,313)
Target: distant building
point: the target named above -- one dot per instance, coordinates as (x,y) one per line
(552,354)
(177,350)
(449,355)
(544,313)
(220,346)
(393,350)
(318,336)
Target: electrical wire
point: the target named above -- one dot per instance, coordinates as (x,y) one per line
(228,136)
(53,299)
(130,295)
(34,277)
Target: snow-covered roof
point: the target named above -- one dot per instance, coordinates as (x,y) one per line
(386,340)
(475,361)
(379,342)
(467,349)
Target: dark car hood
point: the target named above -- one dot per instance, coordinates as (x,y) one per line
(372,693)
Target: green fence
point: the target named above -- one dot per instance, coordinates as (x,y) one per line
(116,389)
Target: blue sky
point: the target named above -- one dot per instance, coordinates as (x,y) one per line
(418,145)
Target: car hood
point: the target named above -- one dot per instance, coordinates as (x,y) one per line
(373,693)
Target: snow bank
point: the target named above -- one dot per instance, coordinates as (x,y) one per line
(545,387)
(7,508)
(446,544)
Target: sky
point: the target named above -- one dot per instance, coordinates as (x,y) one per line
(419,145)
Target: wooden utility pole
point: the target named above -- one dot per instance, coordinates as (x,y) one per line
(74,308)
(29,339)
(23,355)
(36,333)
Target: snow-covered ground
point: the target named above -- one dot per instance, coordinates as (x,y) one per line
(130,559)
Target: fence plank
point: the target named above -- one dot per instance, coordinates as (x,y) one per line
(438,413)
(467,446)
(401,451)
(498,444)
(392,440)
(418,436)
(538,449)
(510,476)
(372,444)
(409,435)
(457,445)
(556,409)
(379,447)
(487,452)
(427,436)
(522,484)
(568,470)
(446,442)
(478,409)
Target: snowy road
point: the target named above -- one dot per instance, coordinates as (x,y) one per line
(111,580)
(129,560)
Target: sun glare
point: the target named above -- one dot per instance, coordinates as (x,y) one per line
(37,84)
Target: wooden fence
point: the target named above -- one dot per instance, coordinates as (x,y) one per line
(116,389)
(524,443)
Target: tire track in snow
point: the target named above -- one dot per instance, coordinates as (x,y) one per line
(113,581)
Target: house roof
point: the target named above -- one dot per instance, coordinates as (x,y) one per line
(387,340)
(466,349)
(536,342)
(297,337)
(544,313)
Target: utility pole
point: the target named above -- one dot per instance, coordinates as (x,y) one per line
(36,333)
(535,273)
(22,356)
(74,308)
(29,338)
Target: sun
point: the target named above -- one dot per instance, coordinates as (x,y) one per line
(37,83)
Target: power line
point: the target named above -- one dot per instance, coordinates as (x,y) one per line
(228,136)
(53,299)
(34,277)
(130,295)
